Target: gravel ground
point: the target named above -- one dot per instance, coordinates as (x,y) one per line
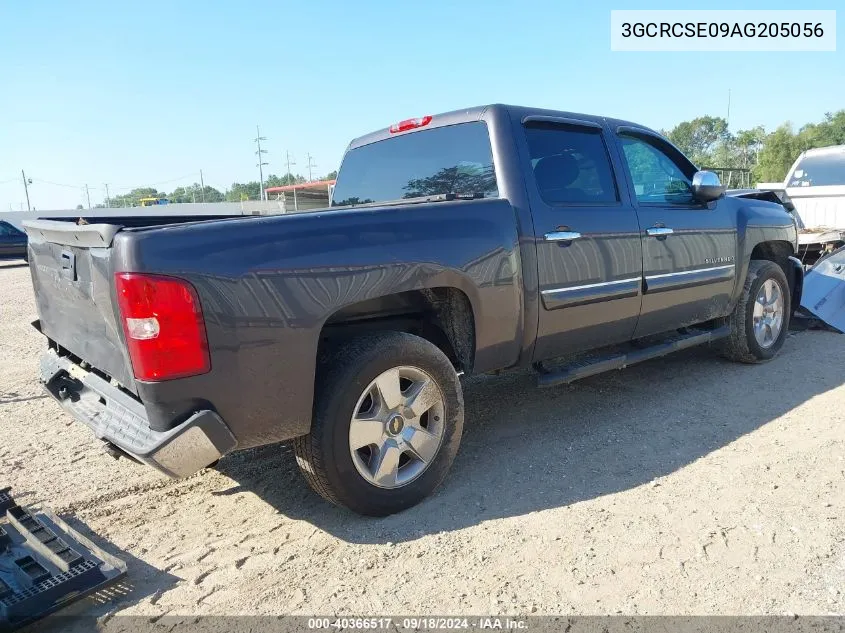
(687,485)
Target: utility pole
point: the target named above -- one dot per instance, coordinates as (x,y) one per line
(108,199)
(727,130)
(290,162)
(729,108)
(26,189)
(88,196)
(261,163)
(202,188)
(310,165)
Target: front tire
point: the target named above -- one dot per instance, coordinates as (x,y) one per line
(760,321)
(388,418)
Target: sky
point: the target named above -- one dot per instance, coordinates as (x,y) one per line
(149,93)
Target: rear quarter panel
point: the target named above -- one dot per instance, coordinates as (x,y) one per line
(267,285)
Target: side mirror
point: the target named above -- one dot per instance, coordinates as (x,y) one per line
(706,186)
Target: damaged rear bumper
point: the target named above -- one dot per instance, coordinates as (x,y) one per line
(116,417)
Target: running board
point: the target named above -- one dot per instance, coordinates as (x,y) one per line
(596,365)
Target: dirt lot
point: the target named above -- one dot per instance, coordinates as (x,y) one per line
(689,486)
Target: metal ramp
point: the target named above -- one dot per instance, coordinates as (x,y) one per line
(45,564)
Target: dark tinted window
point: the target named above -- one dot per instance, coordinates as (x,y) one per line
(8,229)
(656,177)
(820,170)
(570,164)
(452,159)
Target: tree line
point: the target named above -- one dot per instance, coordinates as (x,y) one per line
(238,192)
(708,143)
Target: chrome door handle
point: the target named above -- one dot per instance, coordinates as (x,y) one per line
(658,231)
(562,236)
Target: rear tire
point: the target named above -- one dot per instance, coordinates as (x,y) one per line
(420,445)
(760,320)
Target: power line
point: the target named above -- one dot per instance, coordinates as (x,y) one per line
(55,184)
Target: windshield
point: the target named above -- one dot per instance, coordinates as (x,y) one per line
(821,170)
(451,159)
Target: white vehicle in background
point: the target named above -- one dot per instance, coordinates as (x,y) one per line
(815,185)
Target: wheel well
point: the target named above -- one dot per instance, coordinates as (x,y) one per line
(779,251)
(442,316)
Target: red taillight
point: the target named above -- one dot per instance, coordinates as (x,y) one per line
(410,124)
(162,321)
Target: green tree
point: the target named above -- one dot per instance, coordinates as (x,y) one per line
(748,144)
(239,192)
(700,138)
(779,151)
(708,143)
(184,194)
(288,179)
(211,194)
(783,146)
(332,175)
(195,193)
(133,198)
(831,131)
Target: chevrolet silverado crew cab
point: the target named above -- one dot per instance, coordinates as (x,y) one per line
(467,242)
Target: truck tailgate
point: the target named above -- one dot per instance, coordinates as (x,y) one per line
(74,292)
(819,207)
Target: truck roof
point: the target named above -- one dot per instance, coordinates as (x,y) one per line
(821,151)
(478,112)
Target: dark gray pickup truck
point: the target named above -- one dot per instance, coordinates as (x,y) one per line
(461,243)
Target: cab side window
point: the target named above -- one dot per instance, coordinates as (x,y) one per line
(7,230)
(656,177)
(570,164)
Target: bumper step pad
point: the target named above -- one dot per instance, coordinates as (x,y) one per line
(45,564)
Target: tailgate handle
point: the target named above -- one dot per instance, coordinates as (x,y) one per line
(68,265)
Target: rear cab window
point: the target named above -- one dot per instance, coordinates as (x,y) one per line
(819,170)
(453,159)
(7,229)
